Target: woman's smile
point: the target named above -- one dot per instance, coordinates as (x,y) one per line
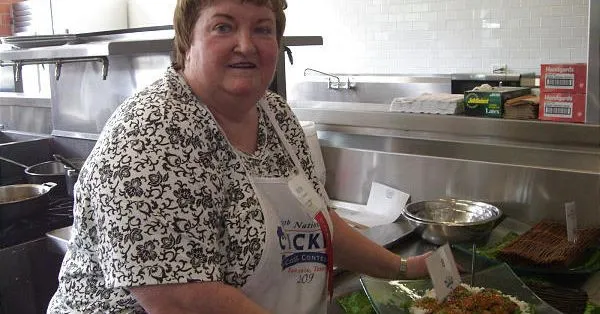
(243,65)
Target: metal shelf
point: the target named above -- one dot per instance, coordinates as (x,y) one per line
(122,44)
(450,127)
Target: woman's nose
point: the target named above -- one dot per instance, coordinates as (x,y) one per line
(245,43)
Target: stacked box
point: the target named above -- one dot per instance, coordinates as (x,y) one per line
(562,107)
(490,102)
(563,92)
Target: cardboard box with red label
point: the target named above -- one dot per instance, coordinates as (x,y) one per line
(562,107)
(564,78)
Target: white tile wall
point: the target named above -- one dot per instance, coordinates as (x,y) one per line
(437,36)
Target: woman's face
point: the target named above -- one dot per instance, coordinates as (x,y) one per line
(233,50)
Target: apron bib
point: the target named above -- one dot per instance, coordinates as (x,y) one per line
(295,270)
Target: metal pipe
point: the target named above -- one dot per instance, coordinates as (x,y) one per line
(18,71)
(58,62)
(327,74)
(104,67)
(57,70)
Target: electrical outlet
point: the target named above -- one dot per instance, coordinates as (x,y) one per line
(499,68)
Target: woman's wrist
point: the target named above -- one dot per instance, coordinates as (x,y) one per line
(416,267)
(402,269)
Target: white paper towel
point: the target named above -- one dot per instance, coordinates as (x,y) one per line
(441,103)
(84,16)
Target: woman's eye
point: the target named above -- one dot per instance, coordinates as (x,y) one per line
(223,28)
(265,30)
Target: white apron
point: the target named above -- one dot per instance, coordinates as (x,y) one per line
(295,270)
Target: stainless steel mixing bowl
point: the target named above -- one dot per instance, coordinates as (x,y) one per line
(452,220)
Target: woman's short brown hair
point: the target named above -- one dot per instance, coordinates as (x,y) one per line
(187,13)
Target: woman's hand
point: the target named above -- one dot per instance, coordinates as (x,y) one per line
(416,266)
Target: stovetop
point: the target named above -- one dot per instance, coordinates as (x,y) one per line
(58,215)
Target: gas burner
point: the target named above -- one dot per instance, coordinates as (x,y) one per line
(61,202)
(61,207)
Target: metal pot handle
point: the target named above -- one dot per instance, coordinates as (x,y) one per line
(49,185)
(14,162)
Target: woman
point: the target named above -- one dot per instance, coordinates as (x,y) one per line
(200,194)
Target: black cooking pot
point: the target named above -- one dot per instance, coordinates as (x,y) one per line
(23,200)
(49,171)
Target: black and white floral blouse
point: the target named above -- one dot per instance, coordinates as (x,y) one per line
(163,198)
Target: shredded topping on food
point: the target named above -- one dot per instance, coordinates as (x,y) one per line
(467,299)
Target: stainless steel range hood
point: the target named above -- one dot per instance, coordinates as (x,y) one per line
(98,71)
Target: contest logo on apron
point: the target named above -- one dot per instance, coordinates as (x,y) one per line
(300,243)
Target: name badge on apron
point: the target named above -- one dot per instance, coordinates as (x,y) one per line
(302,189)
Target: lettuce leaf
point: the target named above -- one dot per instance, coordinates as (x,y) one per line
(356,303)
(592,308)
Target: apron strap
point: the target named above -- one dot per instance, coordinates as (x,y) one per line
(320,217)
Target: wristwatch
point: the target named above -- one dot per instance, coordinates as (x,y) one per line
(403,268)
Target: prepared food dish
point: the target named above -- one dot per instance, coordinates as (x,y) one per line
(467,299)
(399,296)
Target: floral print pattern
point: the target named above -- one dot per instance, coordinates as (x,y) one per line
(164,198)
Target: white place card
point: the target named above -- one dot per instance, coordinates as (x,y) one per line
(443,272)
(384,206)
(571,217)
(386,201)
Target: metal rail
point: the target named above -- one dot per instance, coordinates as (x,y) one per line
(18,65)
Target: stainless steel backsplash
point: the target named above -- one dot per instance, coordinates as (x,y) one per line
(524,192)
(82,102)
(528,169)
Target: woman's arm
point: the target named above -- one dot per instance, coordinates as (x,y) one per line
(197,298)
(355,252)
